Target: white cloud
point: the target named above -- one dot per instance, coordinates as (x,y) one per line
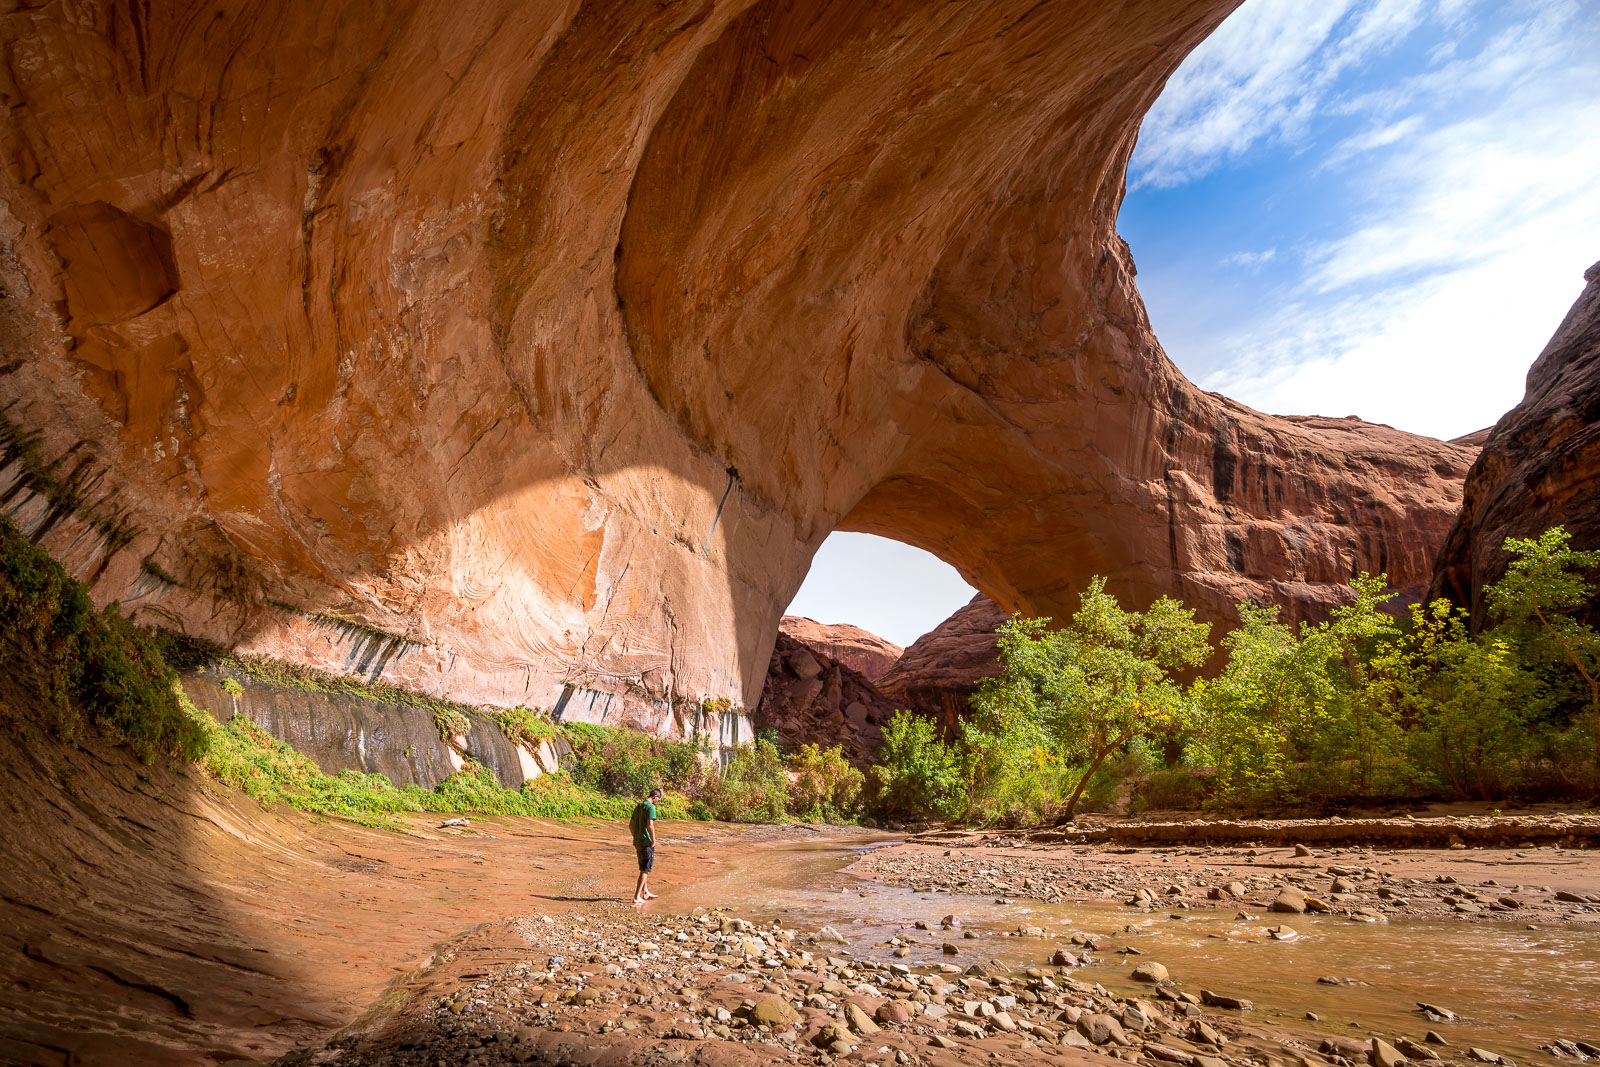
(1262,76)
(1443,356)
(1249,260)
(1476,215)
(1428,312)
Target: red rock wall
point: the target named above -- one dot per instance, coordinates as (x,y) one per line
(1540,465)
(514,350)
(865,653)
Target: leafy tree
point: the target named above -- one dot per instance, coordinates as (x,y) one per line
(1078,695)
(1536,599)
(916,772)
(825,787)
(1458,696)
(1307,710)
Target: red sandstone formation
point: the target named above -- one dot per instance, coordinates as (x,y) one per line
(865,653)
(1540,466)
(810,698)
(511,349)
(940,669)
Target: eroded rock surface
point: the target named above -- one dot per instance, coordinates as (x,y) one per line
(514,351)
(1540,464)
(939,670)
(811,698)
(863,652)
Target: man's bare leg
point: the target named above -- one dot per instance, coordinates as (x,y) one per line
(640,894)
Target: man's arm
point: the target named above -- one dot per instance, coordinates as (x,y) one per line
(651,825)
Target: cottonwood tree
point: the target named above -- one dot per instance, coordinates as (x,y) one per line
(1541,589)
(1073,697)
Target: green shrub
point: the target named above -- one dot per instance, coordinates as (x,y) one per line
(917,774)
(94,668)
(525,724)
(451,723)
(826,788)
(1170,789)
(754,787)
(628,763)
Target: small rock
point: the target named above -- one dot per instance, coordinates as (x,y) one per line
(1412,1050)
(1102,1029)
(1382,1054)
(858,1020)
(773,1011)
(1150,972)
(1217,1000)
(1301,850)
(1291,901)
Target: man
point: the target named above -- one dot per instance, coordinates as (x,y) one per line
(643,824)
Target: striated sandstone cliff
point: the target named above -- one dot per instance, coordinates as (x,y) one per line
(938,671)
(1540,464)
(526,352)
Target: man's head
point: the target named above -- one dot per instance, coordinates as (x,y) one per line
(655,794)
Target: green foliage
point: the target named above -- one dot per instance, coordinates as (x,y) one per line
(232,687)
(629,764)
(1075,697)
(826,788)
(1367,707)
(525,724)
(1535,602)
(753,787)
(246,757)
(451,723)
(94,668)
(916,773)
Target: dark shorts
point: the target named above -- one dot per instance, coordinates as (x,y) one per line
(647,857)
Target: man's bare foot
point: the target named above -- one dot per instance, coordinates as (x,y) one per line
(638,900)
(649,895)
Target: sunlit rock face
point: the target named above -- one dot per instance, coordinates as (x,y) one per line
(1540,465)
(863,652)
(526,352)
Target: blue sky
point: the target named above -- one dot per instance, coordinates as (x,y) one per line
(1379,208)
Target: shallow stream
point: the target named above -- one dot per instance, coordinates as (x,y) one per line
(1513,988)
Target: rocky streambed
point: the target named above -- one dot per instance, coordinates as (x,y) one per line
(996,950)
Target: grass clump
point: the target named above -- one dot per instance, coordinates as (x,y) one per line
(525,724)
(95,667)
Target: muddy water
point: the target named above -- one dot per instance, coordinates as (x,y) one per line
(1513,988)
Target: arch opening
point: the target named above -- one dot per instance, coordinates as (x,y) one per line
(886,587)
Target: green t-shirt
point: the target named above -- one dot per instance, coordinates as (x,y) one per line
(640,823)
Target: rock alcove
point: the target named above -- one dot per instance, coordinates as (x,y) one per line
(510,350)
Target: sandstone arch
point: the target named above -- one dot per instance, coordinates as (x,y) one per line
(540,345)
